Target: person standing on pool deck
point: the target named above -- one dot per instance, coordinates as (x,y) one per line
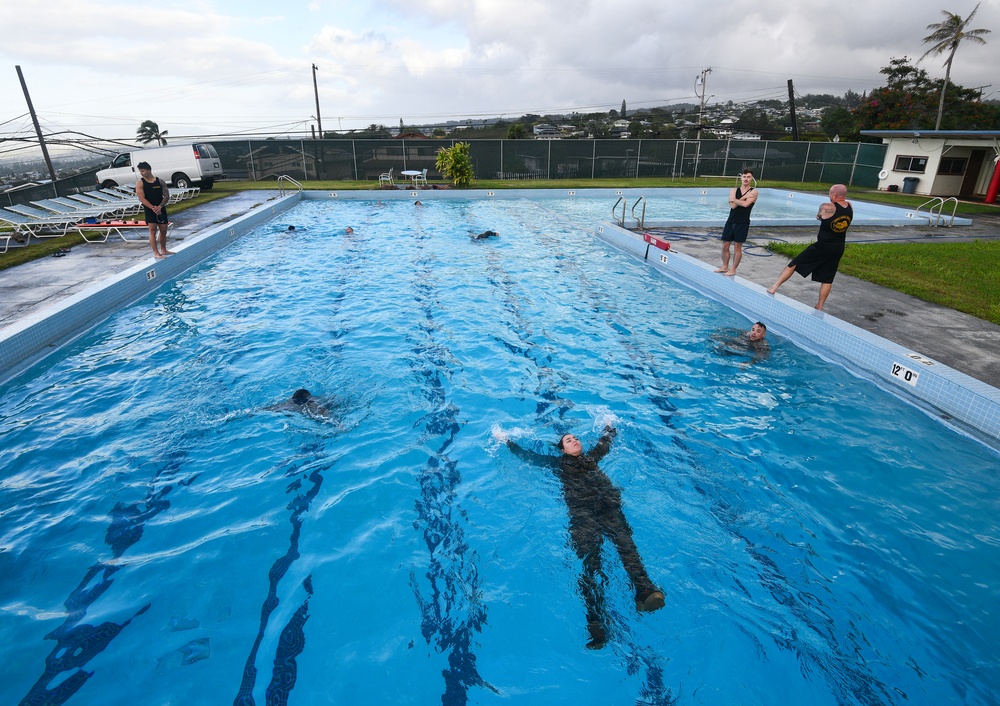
(595,512)
(822,258)
(741,201)
(153,195)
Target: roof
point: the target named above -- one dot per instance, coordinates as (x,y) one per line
(944,134)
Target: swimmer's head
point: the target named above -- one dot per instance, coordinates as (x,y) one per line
(301,396)
(570,445)
(349,230)
(757,331)
(291,227)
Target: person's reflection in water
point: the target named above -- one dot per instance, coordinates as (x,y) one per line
(595,512)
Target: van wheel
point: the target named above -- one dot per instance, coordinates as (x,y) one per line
(109,184)
(207,184)
(181,181)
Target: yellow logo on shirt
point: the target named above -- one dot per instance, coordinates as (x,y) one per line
(840,224)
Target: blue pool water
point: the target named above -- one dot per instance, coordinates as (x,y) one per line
(167,539)
(704,207)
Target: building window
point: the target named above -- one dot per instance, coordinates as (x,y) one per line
(954,166)
(910,164)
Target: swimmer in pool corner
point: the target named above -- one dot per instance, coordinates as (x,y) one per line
(595,512)
(304,402)
(753,342)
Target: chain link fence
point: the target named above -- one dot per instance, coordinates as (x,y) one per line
(851,163)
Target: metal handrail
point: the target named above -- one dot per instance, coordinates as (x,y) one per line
(614,209)
(641,220)
(284,178)
(937,218)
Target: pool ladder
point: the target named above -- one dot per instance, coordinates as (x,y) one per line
(935,212)
(640,220)
(282,183)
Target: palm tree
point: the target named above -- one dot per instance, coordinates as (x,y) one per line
(150,132)
(948,35)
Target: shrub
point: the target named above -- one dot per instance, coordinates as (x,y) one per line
(455,163)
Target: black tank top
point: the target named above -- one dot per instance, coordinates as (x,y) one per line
(153,192)
(834,228)
(741,214)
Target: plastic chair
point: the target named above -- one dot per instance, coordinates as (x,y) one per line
(421,180)
(385,178)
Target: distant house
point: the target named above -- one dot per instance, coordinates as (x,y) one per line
(545,130)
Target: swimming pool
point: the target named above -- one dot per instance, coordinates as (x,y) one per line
(398,554)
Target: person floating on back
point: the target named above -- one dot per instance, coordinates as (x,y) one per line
(741,201)
(595,512)
(822,258)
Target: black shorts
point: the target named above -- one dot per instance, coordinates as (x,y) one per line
(736,232)
(819,260)
(153,218)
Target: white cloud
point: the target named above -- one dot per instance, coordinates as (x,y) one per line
(204,65)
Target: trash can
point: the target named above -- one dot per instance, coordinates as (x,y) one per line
(910,185)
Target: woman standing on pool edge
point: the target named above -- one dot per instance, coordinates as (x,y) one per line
(595,512)
(822,258)
(153,195)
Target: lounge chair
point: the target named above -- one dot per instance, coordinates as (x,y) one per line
(49,227)
(386,178)
(72,208)
(119,207)
(100,232)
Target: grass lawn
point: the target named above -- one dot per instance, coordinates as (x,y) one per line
(961,276)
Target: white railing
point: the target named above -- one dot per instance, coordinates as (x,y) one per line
(935,211)
(285,178)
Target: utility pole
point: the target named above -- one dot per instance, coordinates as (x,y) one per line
(700,80)
(38,131)
(319,121)
(791,107)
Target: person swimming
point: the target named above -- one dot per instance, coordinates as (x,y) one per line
(303,402)
(485,234)
(595,512)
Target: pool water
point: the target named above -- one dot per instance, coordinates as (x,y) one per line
(166,538)
(709,208)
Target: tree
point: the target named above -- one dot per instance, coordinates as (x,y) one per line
(150,132)
(946,36)
(516,131)
(909,98)
(623,109)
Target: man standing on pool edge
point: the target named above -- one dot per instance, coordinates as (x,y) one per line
(822,258)
(153,195)
(741,201)
(595,512)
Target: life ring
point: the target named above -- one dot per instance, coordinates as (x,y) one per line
(883,174)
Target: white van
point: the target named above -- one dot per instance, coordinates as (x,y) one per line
(180,165)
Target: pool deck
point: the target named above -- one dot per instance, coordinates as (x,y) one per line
(963,342)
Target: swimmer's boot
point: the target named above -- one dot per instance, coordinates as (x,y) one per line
(597,637)
(650,600)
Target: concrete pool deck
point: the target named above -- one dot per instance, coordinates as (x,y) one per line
(964,343)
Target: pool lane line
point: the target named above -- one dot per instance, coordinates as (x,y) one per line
(453,574)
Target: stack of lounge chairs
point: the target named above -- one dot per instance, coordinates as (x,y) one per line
(96,215)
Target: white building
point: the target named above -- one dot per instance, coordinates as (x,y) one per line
(944,162)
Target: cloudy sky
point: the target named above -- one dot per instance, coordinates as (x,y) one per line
(227,67)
